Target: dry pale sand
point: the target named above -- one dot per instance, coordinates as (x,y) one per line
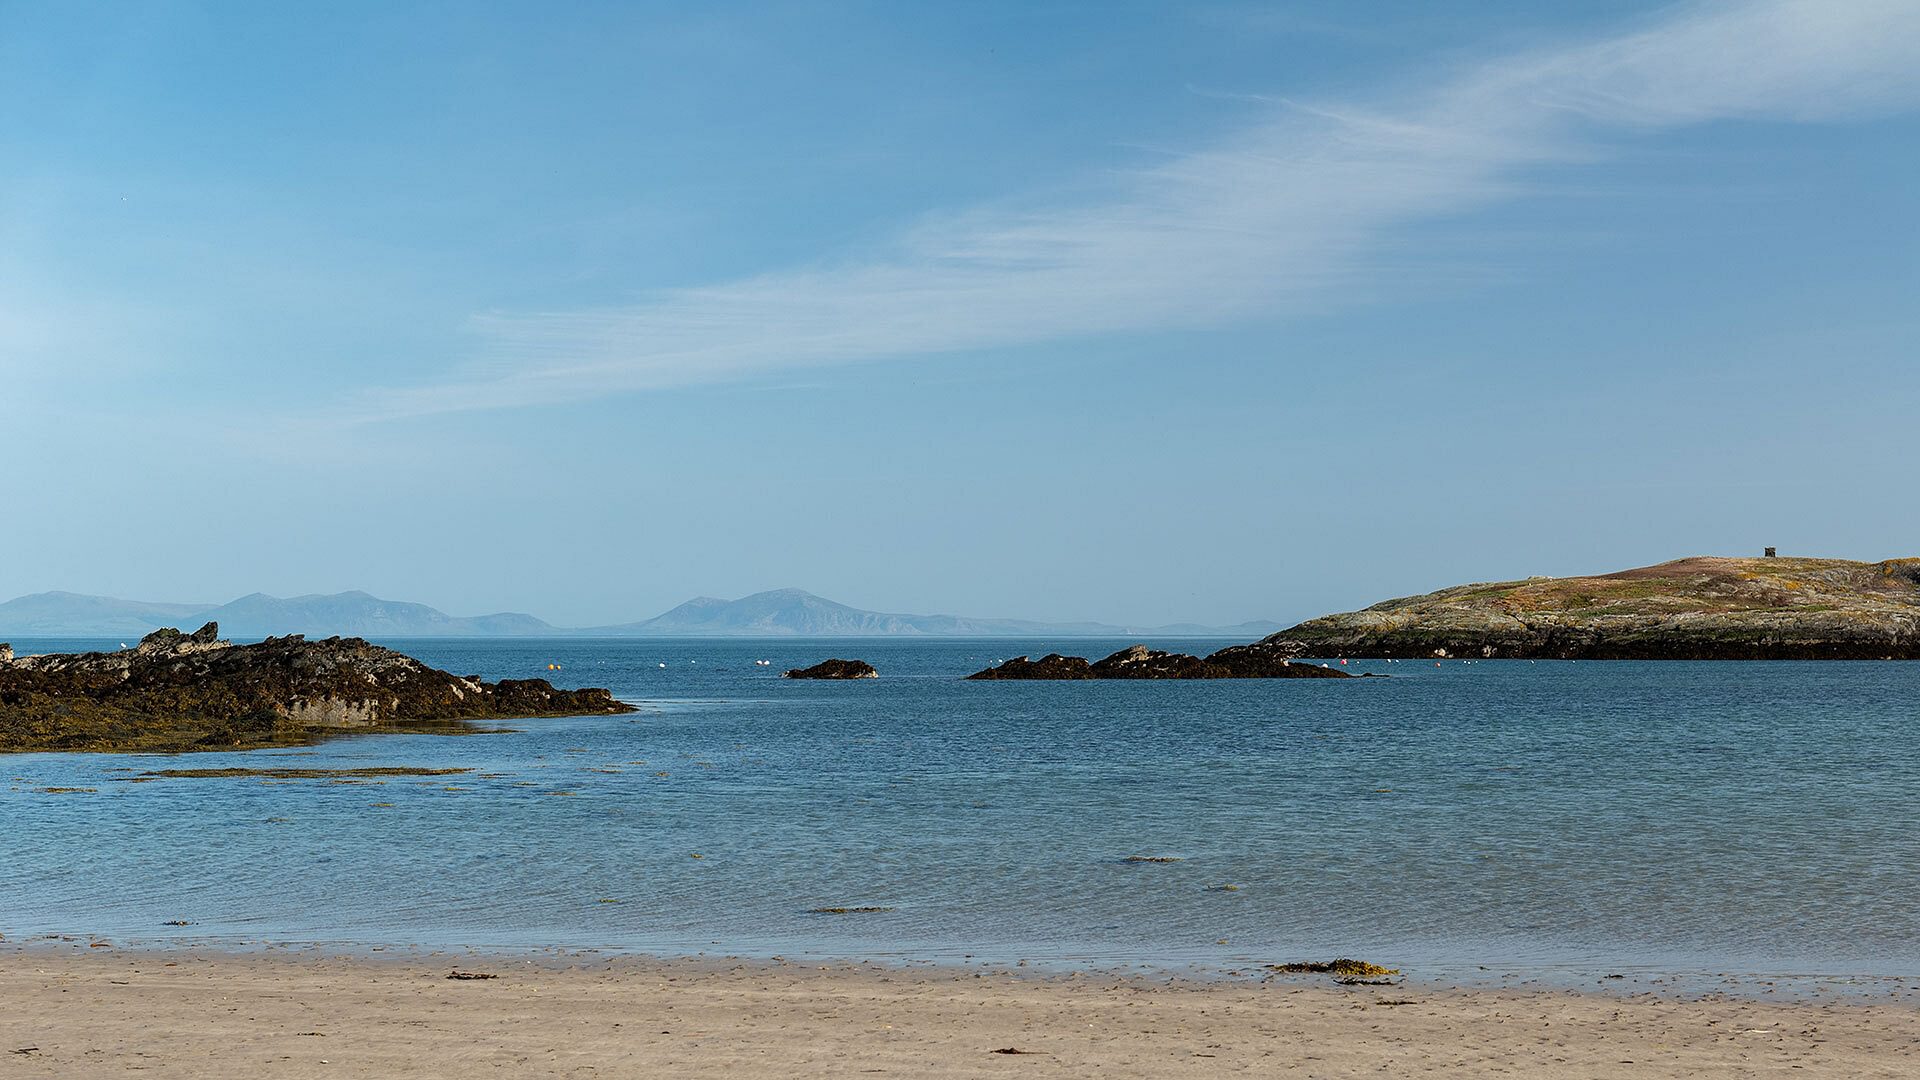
(194,1014)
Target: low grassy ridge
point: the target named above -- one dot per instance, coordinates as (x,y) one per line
(1694,608)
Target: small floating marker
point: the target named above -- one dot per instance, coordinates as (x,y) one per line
(663,665)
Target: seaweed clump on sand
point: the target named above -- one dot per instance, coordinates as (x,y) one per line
(1344,970)
(177,692)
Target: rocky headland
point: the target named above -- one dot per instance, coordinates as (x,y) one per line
(1256,661)
(176,691)
(1688,609)
(834,669)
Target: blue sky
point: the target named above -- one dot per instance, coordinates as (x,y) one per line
(1133,312)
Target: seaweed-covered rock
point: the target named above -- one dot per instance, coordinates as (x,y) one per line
(835,669)
(177,691)
(1256,661)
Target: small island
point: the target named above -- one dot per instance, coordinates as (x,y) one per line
(1765,608)
(834,669)
(1256,661)
(176,692)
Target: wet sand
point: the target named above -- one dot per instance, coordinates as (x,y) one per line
(104,1012)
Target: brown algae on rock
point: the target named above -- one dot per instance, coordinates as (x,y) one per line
(176,692)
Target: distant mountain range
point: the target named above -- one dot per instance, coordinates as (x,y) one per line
(349,614)
(779,613)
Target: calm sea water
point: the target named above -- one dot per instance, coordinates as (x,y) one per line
(1742,817)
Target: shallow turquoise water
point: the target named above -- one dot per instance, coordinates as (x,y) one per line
(1707,817)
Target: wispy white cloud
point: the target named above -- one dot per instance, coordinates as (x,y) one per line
(1291,212)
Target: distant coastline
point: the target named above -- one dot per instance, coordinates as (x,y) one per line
(779,613)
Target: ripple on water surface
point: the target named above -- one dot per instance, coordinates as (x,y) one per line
(1729,816)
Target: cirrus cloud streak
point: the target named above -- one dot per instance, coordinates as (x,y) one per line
(1293,212)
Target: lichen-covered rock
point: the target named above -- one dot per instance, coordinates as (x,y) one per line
(835,669)
(177,691)
(1688,609)
(1254,661)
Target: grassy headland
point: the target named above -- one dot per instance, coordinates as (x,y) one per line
(1689,609)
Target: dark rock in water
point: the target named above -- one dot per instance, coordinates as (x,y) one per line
(1050,666)
(1256,661)
(835,669)
(1262,661)
(178,691)
(1140,662)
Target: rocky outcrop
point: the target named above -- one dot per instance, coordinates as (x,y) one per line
(176,691)
(1254,661)
(1050,666)
(835,669)
(1688,609)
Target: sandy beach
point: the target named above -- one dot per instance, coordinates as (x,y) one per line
(103,1012)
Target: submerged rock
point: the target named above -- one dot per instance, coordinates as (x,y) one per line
(1256,661)
(293,774)
(177,691)
(835,669)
